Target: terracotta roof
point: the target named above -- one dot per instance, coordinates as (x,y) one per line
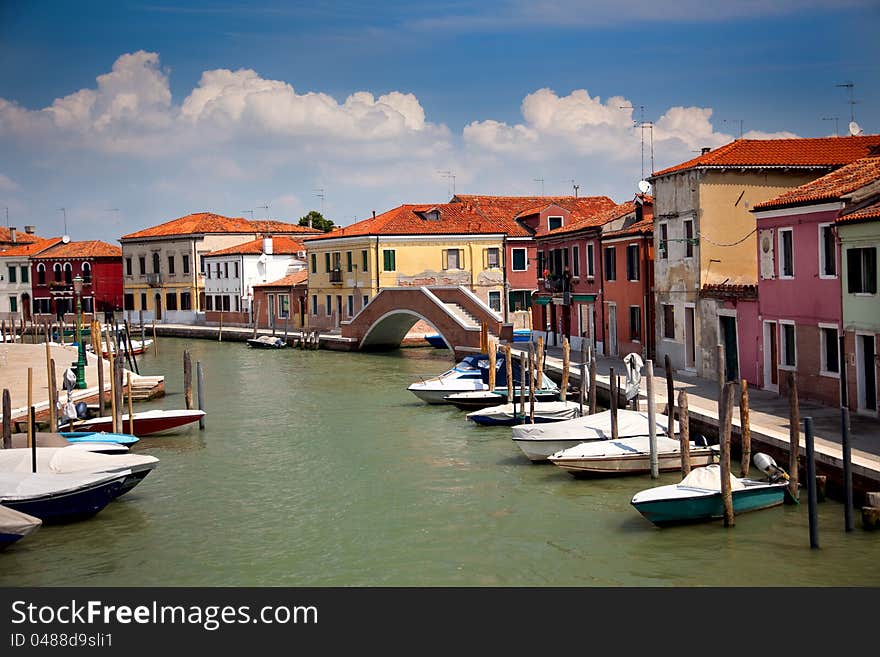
(296,278)
(643,227)
(86,249)
(867,213)
(820,153)
(729,291)
(20,236)
(507,209)
(831,186)
(208,222)
(30,249)
(281,245)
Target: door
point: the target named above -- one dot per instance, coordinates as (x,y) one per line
(728,337)
(271,311)
(771,360)
(866,372)
(26,306)
(690,346)
(612,329)
(158,300)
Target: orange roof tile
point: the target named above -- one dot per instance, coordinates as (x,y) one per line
(30,249)
(643,227)
(820,153)
(281,245)
(867,213)
(20,236)
(509,208)
(208,222)
(831,186)
(85,249)
(296,278)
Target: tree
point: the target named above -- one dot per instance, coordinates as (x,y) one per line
(317,220)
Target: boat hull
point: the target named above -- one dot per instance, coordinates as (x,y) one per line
(703,508)
(539,451)
(70,506)
(145,424)
(261,344)
(630,464)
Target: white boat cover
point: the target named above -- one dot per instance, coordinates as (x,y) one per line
(594,427)
(555,410)
(27,485)
(709,478)
(66,460)
(17,523)
(622,447)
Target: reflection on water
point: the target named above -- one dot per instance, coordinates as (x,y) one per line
(319,468)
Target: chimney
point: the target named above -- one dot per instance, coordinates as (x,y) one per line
(374,214)
(705,150)
(267,245)
(30,230)
(12,230)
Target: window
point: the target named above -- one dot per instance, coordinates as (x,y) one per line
(350,305)
(519,259)
(171,265)
(663,246)
(237,303)
(128,266)
(329,306)
(365,300)
(155,263)
(554,222)
(388,263)
(144,301)
(208,271)
(786,256)
(591,267)
(56,269)
(576,260)
(25,274)
(668,321)
(284,306)
(366,261)
(209,302)
(225,270)
(86,272)
(519,300)
(128,302)
(185,300)
(13,271)
(314,303)
(828,347)
(225,299)
(41,306)
(235,273)
(861,270)
(788,353)
(218,270)
(171,301)
(495,300)
(541,260)
(493,261)
(87,304)
(327,262)
(185,266)
(452,259)
(13,304)
(314,263)
(202,263)
(142,262)
(635,323)
(688,238)
(68,273)
(610,263)
(348,263)
(827,252)
(41,274)
(632,262)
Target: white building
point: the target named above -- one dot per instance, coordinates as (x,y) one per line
(231,273)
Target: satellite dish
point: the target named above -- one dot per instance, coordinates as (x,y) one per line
(262,259)
(644,186)
(65,239)
(854,128)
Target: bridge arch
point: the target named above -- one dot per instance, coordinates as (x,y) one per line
(391,328)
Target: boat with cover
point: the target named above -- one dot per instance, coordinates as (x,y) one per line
(697,498)
(267,342)
(73,459)
(511,414)
(628,456)
(15,525)
(98,441)
(539,441)
(477,399)
(57,498)
(146,423)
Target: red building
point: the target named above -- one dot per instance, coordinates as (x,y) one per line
(53,271)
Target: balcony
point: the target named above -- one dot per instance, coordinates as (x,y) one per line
(336,275)
(154,280)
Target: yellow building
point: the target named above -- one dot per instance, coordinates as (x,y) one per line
(411,245)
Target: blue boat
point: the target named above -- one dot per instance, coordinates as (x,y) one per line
(522,335)
(436,340)
(60,498)
(125,439)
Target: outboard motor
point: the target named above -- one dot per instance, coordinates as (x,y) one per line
(767,465)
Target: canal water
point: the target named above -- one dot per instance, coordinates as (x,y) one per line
(319,468)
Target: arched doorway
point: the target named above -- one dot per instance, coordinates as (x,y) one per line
(158,306)
(26,306)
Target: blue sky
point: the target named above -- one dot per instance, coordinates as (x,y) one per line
(129,113)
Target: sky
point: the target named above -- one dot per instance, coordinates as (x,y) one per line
(119,115)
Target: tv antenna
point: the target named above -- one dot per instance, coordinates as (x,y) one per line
(740,121)
(263,207)
(320,195)
(835,119)
(64,211)
(450,178)
(641,124)
(849,84)
(251,211)
(574,186)
(540,180)
(116,210)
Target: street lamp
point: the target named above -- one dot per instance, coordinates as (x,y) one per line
(81,347)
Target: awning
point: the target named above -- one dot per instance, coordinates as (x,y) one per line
(540,301)
(583,298)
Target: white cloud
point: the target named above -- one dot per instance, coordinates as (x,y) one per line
(7,184)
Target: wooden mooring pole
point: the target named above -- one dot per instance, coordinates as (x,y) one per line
(7,419)
(508,364)
(746,430)
(811,483)
(493,360)
(53,397)
(522,384)
(612,397)
(187,379)
(130,408)
(566,364)
(30,402)
(583,374)
(200,385)
(794,435)
(726,402)
(155,341)
(846,451)
(531,385)
(593,408)
(670,397)
(652,420)
(684,433)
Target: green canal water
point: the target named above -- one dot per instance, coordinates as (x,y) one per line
(319,468)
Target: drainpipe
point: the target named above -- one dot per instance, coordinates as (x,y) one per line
(504,291)
(600,295)
(648,314)
(377,259)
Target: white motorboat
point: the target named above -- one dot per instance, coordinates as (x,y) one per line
(539,441)
(146,423)
(510,414)
(60,497)
(15,525)
(628,456)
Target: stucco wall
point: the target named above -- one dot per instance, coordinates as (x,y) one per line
(860,312)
